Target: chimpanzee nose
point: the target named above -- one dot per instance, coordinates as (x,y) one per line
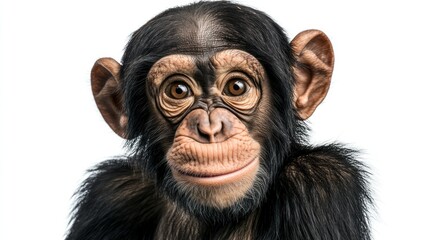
(213,127)
(210,127)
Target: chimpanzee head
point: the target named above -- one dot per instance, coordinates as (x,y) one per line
(212,98)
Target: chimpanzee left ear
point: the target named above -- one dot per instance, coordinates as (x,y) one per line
(313,71)
(105,82)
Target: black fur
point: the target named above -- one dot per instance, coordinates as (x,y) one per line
(303,192)
(321,194)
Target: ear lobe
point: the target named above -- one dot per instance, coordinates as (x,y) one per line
(105,82)
(313,71)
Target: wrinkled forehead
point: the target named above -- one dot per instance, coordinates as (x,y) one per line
(219,62)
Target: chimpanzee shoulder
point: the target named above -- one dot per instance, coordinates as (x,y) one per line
(323,193)
(116,201)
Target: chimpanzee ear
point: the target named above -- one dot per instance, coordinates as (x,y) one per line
(313,71)
(105,82)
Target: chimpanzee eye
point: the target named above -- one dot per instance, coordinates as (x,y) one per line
(235,87)
(178,90)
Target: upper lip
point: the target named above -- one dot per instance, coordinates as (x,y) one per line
(208,142)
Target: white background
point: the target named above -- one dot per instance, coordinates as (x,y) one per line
(51,130)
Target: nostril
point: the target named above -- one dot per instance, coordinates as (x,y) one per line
(203,133)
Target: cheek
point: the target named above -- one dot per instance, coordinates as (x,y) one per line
(263,120)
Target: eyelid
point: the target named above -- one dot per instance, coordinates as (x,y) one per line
(241,75)
(175,77)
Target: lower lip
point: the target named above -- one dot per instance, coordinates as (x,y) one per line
(219,180)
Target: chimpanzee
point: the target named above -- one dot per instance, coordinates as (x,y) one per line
(212,99)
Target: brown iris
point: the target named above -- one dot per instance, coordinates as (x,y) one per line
(235,87)
(178,90)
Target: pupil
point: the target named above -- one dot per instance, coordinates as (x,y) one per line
(179,89)
(236,86)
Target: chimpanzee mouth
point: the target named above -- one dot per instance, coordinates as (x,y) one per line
(218,178)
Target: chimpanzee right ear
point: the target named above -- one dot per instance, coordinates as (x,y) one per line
(106,82)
